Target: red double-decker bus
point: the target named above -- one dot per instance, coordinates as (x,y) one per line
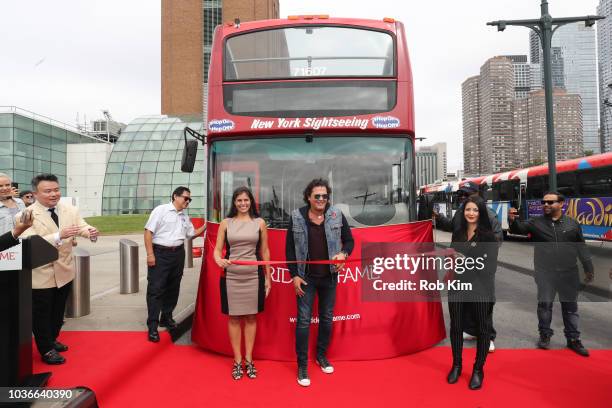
(302,98)
(310,97)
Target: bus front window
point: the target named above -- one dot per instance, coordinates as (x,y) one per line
(370,176)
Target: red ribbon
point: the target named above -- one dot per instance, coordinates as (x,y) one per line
(321,262)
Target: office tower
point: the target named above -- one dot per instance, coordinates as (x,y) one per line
(530,128)
(574,68)
(431,163)
(496,96)
(186,39)
(604,46)
(471,126)
(526,75)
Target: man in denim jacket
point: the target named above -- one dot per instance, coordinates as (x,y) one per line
(317,231)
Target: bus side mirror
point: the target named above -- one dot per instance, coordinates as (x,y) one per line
(189,156)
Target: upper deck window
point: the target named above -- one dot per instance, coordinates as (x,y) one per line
(309,51)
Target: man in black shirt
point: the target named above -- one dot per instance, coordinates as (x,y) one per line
(559,242)
(317,231)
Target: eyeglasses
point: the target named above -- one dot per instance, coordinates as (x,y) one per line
(27,196)
(188,199)
(321,196)
(548,202)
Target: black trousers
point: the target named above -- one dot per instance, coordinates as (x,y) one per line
(471,327)
(48,306)
(481,312)
(164,283)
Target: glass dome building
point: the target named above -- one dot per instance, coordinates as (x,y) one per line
(145,167)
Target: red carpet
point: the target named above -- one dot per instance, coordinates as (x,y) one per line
(125,370)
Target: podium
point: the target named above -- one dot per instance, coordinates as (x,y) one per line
(16,266)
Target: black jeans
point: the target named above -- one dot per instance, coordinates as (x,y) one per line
(567,288)
(325,287)
(48,306)
(164,283)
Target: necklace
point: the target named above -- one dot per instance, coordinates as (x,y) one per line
(313,215)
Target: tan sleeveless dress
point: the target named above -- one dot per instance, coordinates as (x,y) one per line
(242,287)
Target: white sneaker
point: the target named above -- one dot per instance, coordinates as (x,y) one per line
(303,379)
(326,367)
(491,347)
(468,336)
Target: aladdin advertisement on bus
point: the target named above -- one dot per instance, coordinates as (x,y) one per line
(593,214)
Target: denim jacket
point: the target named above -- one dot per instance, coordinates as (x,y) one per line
(337,233)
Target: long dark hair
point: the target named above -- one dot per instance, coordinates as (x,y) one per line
(484,231)
(253,213)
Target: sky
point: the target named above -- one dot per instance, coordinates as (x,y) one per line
(65,58)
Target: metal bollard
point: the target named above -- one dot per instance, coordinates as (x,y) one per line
(128,258)
(189,253)
(77,304)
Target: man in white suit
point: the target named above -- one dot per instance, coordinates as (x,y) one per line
(59,224)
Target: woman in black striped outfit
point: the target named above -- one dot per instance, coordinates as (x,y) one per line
(473,239)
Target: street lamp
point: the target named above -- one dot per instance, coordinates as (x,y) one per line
(545,27)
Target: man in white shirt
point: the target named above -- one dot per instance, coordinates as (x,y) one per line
(166,230)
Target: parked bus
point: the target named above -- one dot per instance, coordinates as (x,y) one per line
(295,99)
(440,196)
(586,182)
(309,97)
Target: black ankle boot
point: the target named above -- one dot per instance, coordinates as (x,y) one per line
(477,378)
(454,374)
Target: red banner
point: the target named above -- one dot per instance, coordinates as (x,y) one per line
(361,330)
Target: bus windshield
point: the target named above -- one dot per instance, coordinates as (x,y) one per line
(370,176)
(309,51)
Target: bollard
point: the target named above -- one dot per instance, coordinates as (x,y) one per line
(128,258)
(77,304)
(189,253)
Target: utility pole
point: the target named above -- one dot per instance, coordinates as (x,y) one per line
(545,27)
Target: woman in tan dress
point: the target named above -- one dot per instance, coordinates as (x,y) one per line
(243,287)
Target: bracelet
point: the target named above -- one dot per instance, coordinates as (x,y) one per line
(148,256)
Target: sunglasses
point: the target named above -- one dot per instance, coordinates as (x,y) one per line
(188,199)
(321,196)
(548,202)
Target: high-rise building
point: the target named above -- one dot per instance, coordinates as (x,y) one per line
(471,126)
(534,47)
(496,96)
(530,146)
(181,57)
(526,75)
(426,165)
(604,46)
(186,37)
(574,68)
(431,163)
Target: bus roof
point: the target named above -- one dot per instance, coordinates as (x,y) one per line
(580,163)
(231,28)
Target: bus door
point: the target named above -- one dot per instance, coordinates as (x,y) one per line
(522,201)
